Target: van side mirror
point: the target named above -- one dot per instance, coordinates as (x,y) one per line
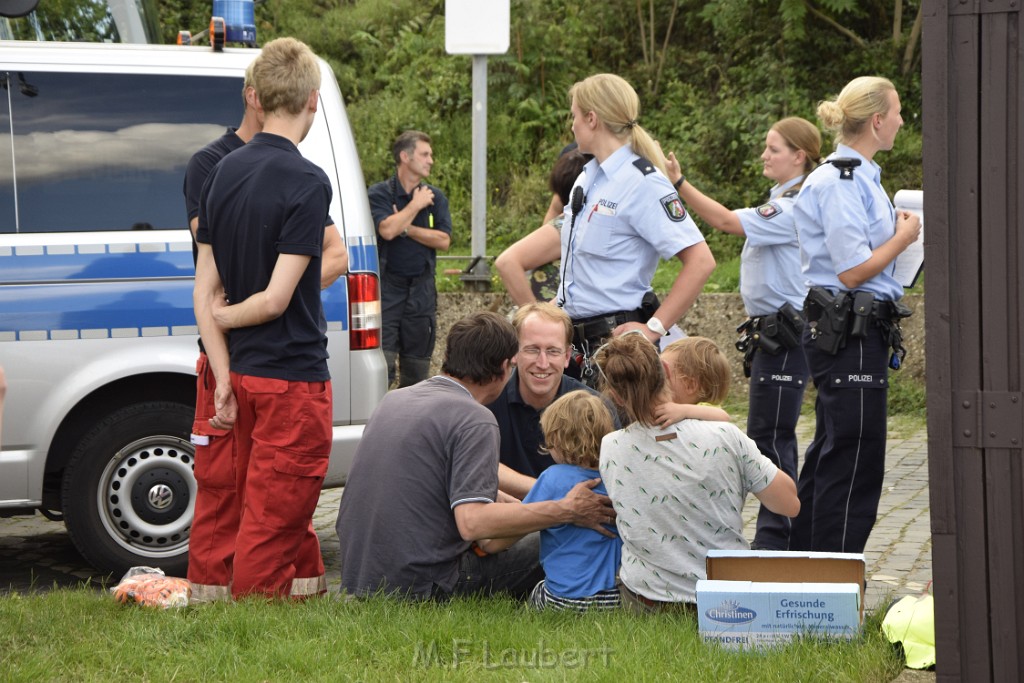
(17,8)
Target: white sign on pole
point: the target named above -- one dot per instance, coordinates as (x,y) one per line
(477,27)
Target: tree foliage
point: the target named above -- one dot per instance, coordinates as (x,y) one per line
(712,75)
(66,20)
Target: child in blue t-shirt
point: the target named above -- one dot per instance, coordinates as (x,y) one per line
(580,564)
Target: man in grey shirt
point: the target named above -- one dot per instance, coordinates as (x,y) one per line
(421,505)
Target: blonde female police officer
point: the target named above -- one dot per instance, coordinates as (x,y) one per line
(623,214)
(850,235)
(773,293)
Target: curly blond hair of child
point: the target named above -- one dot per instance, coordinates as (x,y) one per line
(700,359)
(573,428)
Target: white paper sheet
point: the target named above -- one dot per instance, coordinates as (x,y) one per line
(909,264)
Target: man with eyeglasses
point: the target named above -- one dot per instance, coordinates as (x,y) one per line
(545,342)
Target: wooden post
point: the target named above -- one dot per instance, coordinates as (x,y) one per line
(974,196)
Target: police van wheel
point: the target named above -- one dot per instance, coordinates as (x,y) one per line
(128,491)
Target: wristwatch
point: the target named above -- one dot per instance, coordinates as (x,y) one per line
(405,233)
(656,326)
(679,183)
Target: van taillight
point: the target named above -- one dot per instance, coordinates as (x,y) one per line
(364,311)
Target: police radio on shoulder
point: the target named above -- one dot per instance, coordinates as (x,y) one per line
(656,326)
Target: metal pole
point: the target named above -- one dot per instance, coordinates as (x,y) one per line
(477,276)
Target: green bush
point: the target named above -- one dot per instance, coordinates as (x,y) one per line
(727,70)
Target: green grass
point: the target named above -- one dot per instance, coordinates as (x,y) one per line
(82,635)
(724,278)
(906,396)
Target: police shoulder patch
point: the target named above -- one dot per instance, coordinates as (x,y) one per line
(769,210)
(673,206)
(646,167)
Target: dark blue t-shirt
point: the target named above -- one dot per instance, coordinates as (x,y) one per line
(196,173)
(403,256)
(202,163)
(519,425)
(262,200)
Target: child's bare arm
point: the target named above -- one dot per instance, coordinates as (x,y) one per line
(490,546)
(780,495)
(670,413)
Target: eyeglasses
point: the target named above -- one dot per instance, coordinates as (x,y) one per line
(552,352)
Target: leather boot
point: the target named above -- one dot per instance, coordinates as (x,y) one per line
(413,370)
(389,359)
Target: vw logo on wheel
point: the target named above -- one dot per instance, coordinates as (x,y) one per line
(161,496)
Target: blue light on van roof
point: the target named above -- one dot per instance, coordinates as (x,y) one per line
(239,20)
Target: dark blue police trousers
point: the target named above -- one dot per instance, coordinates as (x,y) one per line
(841,480)
(777,386)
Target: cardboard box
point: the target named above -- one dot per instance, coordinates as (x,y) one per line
(757,599)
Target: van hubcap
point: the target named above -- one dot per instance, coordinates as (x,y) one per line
(146,495)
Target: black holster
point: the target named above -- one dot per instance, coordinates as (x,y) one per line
(648,305)
(828,317)
(833,319)
(771,333)
(888,315)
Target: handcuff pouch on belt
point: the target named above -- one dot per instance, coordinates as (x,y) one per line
(835,318)
(771,333)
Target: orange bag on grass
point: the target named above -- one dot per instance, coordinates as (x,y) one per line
(152,588)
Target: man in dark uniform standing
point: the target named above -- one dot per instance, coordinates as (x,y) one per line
(413,223)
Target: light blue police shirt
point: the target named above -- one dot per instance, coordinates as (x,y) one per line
(840,222)
(770,264)
(630,218)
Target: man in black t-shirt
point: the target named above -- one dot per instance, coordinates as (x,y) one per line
(214,522)
(260,234)
(413,224)
(545,342)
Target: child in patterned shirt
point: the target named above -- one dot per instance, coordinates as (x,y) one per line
(677,492)
(579,563)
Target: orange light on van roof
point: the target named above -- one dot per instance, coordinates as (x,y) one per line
(217,33)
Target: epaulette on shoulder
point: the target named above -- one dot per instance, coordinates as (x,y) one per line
(845,166)
(791,192)
(644,166)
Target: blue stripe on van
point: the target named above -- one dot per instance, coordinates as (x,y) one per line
(64,291)
(95,262)
(362,255)
(98,307)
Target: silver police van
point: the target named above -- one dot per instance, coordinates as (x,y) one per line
(97,335)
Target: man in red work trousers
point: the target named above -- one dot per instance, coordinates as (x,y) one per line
(217,508)
(260,234)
